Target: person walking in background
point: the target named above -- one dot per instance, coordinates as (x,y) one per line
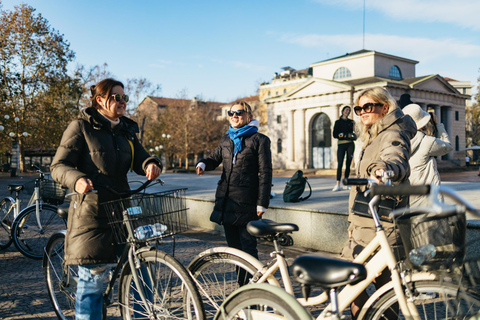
(98,148)
(243,192)
(385,133)
(467,161)
(343,130)
(426,145)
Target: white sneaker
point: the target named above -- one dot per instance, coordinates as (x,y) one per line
(337,188)
(348,187)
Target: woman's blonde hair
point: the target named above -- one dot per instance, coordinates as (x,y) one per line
(379,95)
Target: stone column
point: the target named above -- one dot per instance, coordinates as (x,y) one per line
(291,136)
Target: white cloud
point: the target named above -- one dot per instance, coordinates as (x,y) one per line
(422,49)
(462,13)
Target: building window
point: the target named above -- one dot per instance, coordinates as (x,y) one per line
(342,73)
(457,143)
(269,93)
(395,73)
(279,146)
(284,91)
(276,93)
(456,115)
(279,119)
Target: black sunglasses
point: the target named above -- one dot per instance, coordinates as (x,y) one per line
(237,112)
(367,107)
(119,97)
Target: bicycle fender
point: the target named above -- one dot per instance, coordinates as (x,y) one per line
(420,276)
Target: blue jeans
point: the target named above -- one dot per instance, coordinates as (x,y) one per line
(89,301)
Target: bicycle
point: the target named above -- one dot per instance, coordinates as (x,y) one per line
(151,283)
(30,228)
(219,271)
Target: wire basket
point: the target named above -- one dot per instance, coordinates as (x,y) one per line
(147,216)
(52,192)
(430,240)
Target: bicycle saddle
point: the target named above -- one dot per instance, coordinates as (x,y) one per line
(327,273)
(266,227)
(62,210)
(15,187)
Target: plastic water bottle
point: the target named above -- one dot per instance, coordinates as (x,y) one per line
(158,229)
(420,255)
(144,232)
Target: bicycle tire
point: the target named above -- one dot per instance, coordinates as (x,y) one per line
(29,239)
(61,280)
(169,285)
(434,300)
(262,301)
(216,276)
(7,210)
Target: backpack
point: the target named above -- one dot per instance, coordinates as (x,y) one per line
(295,187)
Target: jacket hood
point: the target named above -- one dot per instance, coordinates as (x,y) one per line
(98,121)
(400,121)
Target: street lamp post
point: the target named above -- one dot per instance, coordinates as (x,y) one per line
(15,158)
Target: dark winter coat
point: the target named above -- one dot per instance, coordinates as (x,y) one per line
(243,185)
(91,149)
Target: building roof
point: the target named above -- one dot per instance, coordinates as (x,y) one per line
(363,51)
(165,102)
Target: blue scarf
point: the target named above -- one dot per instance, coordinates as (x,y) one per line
(236,136)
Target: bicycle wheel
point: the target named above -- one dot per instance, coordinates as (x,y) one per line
(28,237)
(218,274)
(434,300)
(7,209)
(262,301)
(61,280)
(169,288)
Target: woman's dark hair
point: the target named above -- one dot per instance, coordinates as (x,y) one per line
(103,89)
(343,109)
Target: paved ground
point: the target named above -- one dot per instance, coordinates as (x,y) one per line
(23,292)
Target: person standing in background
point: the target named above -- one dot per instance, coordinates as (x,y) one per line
(430,141)
(343,130)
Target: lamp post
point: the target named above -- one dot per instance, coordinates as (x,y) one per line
(15,158)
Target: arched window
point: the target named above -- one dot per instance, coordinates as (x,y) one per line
(342,73)
(321,131)
(284,91)
(279,146)
(395,73)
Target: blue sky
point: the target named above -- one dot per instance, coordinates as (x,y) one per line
(221,50)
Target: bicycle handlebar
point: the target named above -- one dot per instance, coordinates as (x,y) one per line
(399,190)
(130,192)
(356,182)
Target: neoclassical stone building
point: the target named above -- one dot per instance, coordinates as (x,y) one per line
(302,106)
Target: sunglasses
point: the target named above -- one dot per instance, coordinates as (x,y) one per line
(119,97)
(237,112)
(367,107)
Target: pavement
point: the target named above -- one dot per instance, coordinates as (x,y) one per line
(23,293)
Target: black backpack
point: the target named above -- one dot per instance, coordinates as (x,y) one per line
(295,187)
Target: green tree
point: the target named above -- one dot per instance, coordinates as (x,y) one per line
(33,74)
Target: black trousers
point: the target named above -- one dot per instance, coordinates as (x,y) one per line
(344,149)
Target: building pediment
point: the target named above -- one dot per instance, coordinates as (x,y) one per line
(316,87)
(434,83)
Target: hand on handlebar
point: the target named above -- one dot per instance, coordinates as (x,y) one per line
(83,185)
(152,171)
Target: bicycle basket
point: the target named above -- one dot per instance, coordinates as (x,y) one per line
(147,216)
(429,240)
(52,192)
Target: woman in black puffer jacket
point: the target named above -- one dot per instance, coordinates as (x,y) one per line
(243,192)
(97,149)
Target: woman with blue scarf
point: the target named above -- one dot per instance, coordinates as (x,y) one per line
(243,192)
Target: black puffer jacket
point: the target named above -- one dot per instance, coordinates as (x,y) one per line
(91,149)
(243,185)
